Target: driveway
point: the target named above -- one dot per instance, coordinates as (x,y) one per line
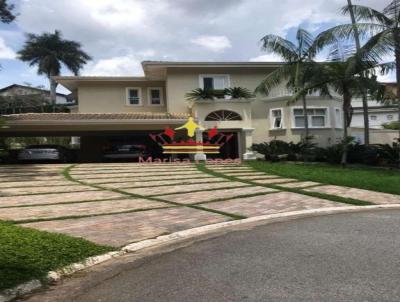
(118,204)
(343,257)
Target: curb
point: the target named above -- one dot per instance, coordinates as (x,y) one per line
(198,233)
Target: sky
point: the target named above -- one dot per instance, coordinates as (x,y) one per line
(119,34)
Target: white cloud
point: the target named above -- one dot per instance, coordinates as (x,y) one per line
(5,51)
(213,43)
(117,66)
(116,13)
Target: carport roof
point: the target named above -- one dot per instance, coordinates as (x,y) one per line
(96,116)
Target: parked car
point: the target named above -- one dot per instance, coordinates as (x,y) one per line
(124,152)
(44,153)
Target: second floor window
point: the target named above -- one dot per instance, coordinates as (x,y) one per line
(155,96)
(276,119)
(134,96)
(317,117)
(217,82)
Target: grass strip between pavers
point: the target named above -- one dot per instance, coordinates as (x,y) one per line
(68,176)
(235,197)
(146,180)
(203,168)
(212,181)
(47,193)
(199,190)
(88,215)
(63,203)
(27,254)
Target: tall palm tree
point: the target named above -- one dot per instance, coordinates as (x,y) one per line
(343,75)
(49,51)
(382,29)
(357,41)
(298,68)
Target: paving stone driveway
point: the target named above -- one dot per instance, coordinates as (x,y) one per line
(117,204)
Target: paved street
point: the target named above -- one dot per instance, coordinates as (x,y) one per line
(343,257)
(119,203)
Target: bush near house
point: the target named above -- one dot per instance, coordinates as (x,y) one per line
(376,155)
(215,94)
(392,125)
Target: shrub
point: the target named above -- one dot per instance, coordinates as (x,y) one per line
(392,125)
(238,93)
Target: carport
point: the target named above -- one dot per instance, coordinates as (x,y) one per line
(94,130)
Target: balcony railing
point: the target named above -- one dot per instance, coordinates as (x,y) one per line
(285,92)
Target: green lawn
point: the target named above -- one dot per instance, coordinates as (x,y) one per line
(358,177)
(27,254)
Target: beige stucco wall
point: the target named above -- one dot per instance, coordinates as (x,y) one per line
(182,80)
(111,97)
(261,121)
(376,136)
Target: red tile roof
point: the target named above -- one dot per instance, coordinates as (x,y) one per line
(96,116)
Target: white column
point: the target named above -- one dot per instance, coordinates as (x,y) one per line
(247,134)
(200,156)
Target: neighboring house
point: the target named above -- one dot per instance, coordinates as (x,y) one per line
(379,113)
(130,108)
(22,98)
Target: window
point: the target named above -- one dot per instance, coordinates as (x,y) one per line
(155,96)
(389,117)
(217,82)
(276,118)
(134,96)
(372,117)
(223,115)
(338,118)
(317,117)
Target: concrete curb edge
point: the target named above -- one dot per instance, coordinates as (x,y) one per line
(181,236)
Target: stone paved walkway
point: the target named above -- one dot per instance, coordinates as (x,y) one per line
(116,204)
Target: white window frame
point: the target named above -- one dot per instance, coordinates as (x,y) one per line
(391,117)
(139,89)
(160,89)
(373,117)
(338,122)
(272,119)
(202,76)
(310,126)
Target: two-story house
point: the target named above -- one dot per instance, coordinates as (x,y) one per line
(130,108)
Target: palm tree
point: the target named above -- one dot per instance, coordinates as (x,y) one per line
(296,71)
(6,12)
(343,75)
(350,10)
(49,52)
(383,28)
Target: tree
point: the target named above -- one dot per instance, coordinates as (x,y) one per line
(6,14)
(343,75)
(350,10)
(49,52)
(296,71)
(382,30)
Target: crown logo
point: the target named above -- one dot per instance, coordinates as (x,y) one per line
(210,144)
